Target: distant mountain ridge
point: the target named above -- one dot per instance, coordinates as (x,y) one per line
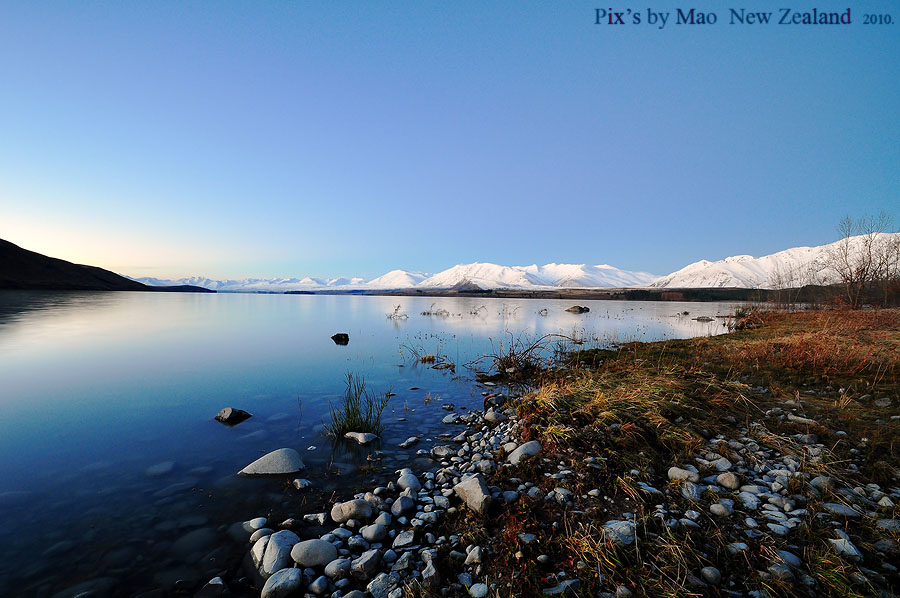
(480,275)
(792,267)
(24,269)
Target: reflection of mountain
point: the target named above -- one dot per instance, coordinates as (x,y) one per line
(23,269)
(509,320)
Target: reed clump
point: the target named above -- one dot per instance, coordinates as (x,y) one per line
(361,409)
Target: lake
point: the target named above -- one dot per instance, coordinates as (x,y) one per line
(109,454)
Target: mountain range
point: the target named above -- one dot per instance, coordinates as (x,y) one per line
(789,268)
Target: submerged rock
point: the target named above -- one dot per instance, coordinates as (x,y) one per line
(279,462)
(231,416)
(361,437)
(578,309)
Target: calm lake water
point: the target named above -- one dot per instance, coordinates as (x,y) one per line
(109,454)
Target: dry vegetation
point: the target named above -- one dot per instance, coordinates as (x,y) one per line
(619,419)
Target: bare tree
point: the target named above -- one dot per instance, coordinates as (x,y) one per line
(865,258)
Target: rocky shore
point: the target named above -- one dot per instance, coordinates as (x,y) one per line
(754,490)
(687,468)
(561,493)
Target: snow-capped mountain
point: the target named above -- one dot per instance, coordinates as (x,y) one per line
(482,275)
(257,285)
(789,268)
(397,279)
(492,276)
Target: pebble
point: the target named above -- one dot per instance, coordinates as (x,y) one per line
(711,575)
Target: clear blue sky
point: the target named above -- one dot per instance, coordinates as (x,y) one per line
(349,138)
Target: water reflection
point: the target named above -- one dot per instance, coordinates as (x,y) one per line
(100,391)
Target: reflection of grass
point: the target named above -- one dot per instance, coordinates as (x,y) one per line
(361,411)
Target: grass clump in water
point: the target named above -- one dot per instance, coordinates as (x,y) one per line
(361,410)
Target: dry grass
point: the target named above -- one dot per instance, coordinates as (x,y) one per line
(645,406)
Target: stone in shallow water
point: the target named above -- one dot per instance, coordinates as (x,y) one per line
(281,461)
(231,416)
(199,540)
(361,437)
(160,468)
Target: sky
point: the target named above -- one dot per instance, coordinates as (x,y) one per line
(235,139)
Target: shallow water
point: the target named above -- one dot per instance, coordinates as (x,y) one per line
(96,388)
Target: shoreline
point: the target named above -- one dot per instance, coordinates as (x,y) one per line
(750,489)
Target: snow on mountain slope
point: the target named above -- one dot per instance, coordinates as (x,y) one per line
(486,276)
(492,276)
(397,279)
(789,268)
(603,275)
(483,275)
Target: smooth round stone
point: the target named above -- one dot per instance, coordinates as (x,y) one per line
(728,480)
(711,575)
(719,510)
(200,540)
(260,533)
(255,524)
(478,590)
(409,481)
(319,585)
(374,533)
(677,473)
(278,551)
(313,553)
(281,461)
(283,583)
(338,568)
(352,509)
